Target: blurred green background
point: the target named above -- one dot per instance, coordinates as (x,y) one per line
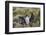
(22,11)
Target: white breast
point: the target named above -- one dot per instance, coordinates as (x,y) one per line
(27,20)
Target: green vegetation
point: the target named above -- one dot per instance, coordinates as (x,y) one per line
(27,11)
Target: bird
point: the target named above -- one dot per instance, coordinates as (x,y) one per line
(22,20)
(32,17)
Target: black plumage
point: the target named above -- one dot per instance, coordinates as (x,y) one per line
(22,20)
(32,17)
